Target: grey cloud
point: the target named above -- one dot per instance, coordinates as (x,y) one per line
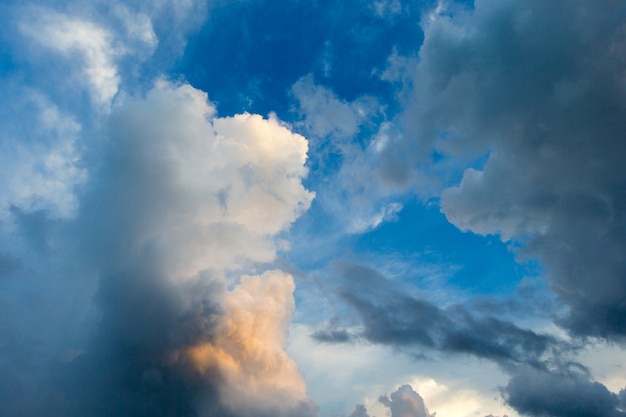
(390,315)
(565,392)
(538,87)
(325,114)
(332,335)
(405,402)
(359,411)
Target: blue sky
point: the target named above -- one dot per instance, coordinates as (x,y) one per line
(300,209)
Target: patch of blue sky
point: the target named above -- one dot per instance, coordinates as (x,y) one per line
(480,264)
(247,56)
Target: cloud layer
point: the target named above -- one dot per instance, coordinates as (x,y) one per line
(388,314)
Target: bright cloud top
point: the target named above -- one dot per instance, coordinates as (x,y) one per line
(183,198)
(181,202)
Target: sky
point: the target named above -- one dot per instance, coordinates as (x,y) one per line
(359,208)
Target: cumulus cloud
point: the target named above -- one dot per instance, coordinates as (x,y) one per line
(567,391)
(181,204)
(247,349)
(539,89)
(405,402)
(359,411)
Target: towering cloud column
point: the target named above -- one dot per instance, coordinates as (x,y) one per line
(183,204)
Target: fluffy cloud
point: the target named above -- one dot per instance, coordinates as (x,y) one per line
(405,402)
(247,349)
(198,185)
(563,392)
(180,204)
(538,88)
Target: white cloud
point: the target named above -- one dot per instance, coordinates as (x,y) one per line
(387,8)
(326,115)
(361,224)
(137,27)
(39,163)
(342,375)
(222,187)
(94,45)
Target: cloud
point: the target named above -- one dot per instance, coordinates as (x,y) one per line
(562,392)
(180,207)
(40,164)
(539,89)
(359,411)
(325,114)
(405,402)
(337,127)
(102,45)
(389,315)
(93,44)
(247,349)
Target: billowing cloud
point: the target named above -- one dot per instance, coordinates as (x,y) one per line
(405,402)
(538,88)
(559,393)
(181,204)
(247,350)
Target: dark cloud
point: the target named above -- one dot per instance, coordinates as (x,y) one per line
(359,411)
(405,402)
(390,315)
(565,392)
(539,88)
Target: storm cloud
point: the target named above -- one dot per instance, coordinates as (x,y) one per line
(538,89)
